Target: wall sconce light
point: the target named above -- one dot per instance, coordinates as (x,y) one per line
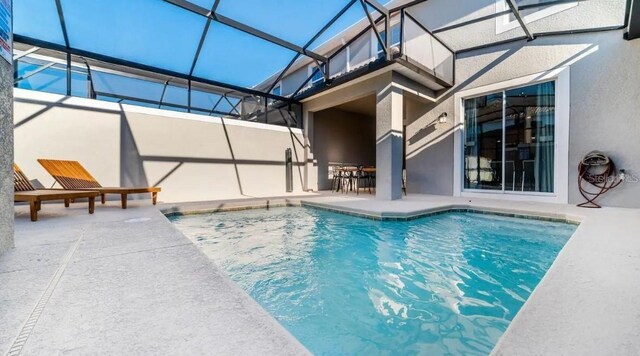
(442,119)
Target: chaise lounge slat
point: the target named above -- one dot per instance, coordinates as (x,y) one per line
(72,175)
(26,192)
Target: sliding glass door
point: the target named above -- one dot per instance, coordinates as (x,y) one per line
(509,140)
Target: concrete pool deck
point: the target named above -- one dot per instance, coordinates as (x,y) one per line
(123,282)
(126,281)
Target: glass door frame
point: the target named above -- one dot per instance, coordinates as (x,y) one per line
(560,77)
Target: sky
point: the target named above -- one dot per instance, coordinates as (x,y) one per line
(156,33)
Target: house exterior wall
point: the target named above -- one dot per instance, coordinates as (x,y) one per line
(604,100)
(6,156)
(192,157)
(604,94)
(437,14)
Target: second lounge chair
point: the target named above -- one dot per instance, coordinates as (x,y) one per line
(72,175)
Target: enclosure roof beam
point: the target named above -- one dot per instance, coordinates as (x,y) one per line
(186,5)
(372,25)
(144,67)
(379,7)
(202,38)
(311,41)
(63,25)
(516,13)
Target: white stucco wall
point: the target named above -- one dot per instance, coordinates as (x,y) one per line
(192,157)
(437,14)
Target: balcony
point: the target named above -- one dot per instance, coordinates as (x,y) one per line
(414,52)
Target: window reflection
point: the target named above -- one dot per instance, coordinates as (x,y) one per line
(483,143)
(529,132)
(519,128)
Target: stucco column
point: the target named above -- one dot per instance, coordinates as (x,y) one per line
(389,143)
(6,155)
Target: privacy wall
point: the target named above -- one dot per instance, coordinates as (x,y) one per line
(192,157)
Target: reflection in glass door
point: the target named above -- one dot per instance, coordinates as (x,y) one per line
(509,140)
(483,142)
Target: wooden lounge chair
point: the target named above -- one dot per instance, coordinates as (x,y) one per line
(72,175)
(25,192)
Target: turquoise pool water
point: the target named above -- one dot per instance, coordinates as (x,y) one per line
(444,284)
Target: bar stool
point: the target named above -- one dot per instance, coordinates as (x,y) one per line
(371,180)
(347,179)
(361,175)
(336,179)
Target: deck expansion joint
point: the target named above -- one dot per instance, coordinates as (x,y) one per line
(27,328)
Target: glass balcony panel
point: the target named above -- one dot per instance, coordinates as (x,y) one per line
(443,61)
(418,44)
(338,64)
(360,51)
(425,50)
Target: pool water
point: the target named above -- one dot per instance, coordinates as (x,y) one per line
(443,284)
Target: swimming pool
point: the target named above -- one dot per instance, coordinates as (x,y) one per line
(443,284)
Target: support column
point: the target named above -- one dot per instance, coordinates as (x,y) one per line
(6,151)
(389,141)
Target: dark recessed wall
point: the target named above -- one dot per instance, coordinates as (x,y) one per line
(342,136)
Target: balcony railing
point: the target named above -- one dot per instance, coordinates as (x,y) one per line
(420,46)
(412,44)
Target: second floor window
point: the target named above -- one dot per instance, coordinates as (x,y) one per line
(395,37)
(277,90)
(317,75)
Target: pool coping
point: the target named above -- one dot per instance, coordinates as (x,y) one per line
(454,208)
(383,216)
